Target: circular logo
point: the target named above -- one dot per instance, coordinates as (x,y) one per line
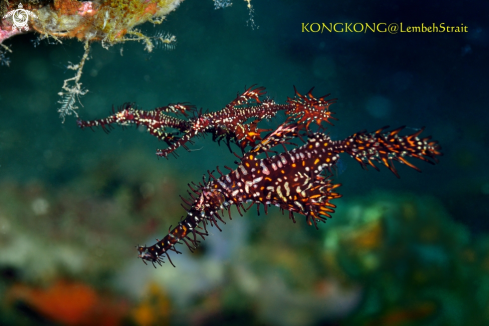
(20,17)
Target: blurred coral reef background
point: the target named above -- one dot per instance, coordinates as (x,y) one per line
(74,203)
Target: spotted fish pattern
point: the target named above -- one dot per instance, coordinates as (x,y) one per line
(273,171)
(296,180)
(236,123)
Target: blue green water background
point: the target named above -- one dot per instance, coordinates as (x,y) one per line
(437,80)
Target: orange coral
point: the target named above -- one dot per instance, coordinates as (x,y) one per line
(70,303)
(67,7)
